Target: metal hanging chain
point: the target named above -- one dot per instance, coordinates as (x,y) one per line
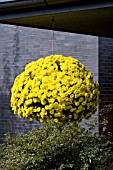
(53,25)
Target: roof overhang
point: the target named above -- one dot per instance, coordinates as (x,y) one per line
(76,16)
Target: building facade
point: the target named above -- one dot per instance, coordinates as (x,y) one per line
(21,45)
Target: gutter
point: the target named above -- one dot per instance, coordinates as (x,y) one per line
(31,3)
(30,8)
(10,6)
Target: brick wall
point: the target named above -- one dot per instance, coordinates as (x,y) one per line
(106,80)
(106,70)
(21,45)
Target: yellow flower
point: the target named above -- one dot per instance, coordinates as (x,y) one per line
(56,120)
(43,102)
(47,107)
(51,100)
(28,102)
(81,99)
(62,106)
(69,116)
(47,120)
(42,114)
(76,116)
(38,109)
(72,95)
(41,120)
(80,107)
(51,111)
(59,99)
(84,103)
(77,103)
(72,110)
(35,100)
(24,114)
(87,115)
(57,114)
(30,119)
(86,95)
(49,94)
(58,85)
(54,92)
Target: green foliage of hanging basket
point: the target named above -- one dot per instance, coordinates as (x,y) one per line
(55,87)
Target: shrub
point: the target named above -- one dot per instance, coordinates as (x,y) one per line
(56,147)
(55,87)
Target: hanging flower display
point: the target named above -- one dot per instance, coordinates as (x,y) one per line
(55,87)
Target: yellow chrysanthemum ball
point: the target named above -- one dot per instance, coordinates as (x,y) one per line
(55,87)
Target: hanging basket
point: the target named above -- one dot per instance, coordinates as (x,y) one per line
(55,87)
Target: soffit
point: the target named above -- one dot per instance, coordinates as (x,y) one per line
(91,18)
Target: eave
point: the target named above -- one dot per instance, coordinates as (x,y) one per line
(76,16)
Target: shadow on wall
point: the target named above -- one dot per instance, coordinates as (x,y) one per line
(16,51)
(5,117)
(10,123)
